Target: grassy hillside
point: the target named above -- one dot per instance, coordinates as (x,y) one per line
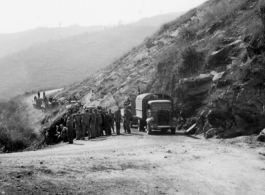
(210,60)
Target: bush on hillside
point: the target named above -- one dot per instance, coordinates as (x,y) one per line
(167,59)
(12,141)
(15,132)
(191,60)
(188,33)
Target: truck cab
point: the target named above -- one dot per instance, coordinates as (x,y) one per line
(158,106)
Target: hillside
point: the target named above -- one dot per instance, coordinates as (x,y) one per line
(64,61)
(210,60)
(14,42)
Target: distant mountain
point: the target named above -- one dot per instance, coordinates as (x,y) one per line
(157,20)
(10,43)
(63,61)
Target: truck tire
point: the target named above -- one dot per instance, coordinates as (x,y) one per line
(173,131)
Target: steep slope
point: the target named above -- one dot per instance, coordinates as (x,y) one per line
(210,60)
(62,62)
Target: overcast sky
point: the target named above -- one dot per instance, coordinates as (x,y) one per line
(20,15)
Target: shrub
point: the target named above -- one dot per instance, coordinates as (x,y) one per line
(188,33)
(191,60)
(15,132)
(167,59)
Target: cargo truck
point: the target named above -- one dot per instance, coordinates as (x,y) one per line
(156,105)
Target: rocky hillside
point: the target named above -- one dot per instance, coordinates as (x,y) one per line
(211,60)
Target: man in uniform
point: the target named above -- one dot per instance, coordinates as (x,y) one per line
(44,95)
(78,126)
(93,124)
(99,123)
(127,119)
(69,125)
(107,123)
(112,120)
(117,118)
(85,123)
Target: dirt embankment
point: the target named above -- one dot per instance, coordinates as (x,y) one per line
(136,164)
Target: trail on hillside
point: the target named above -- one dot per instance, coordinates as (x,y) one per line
(35,115)
(135,164)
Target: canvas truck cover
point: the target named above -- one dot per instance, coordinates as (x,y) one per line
(142,100)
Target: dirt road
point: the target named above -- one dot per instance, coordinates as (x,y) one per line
(135,164)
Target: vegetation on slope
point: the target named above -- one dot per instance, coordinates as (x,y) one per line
(15,132)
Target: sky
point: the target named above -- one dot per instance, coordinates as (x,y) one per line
(21,15)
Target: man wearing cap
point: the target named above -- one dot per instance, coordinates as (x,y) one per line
(69,125)
(117,118)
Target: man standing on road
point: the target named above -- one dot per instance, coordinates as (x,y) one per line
(69,125)
(99,123)
(127,119)
(117,118)
(38,94)
(93,124)
(78,126)
(112,120)
(107,122)
(85,123)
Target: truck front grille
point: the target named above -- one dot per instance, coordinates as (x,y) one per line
(162,117)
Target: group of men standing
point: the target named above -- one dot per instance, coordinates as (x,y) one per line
(94,123)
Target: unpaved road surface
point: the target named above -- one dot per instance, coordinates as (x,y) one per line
(135,164)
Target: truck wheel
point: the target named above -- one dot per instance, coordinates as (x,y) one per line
(173,131)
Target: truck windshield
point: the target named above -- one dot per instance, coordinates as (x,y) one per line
(156,106)
(161,106)
(166,106)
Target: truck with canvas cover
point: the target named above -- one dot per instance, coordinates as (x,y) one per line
(157,106)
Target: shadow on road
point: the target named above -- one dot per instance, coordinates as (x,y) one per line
(161,133)
(137,134)
(76,144)
(181,133)
(98,139)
